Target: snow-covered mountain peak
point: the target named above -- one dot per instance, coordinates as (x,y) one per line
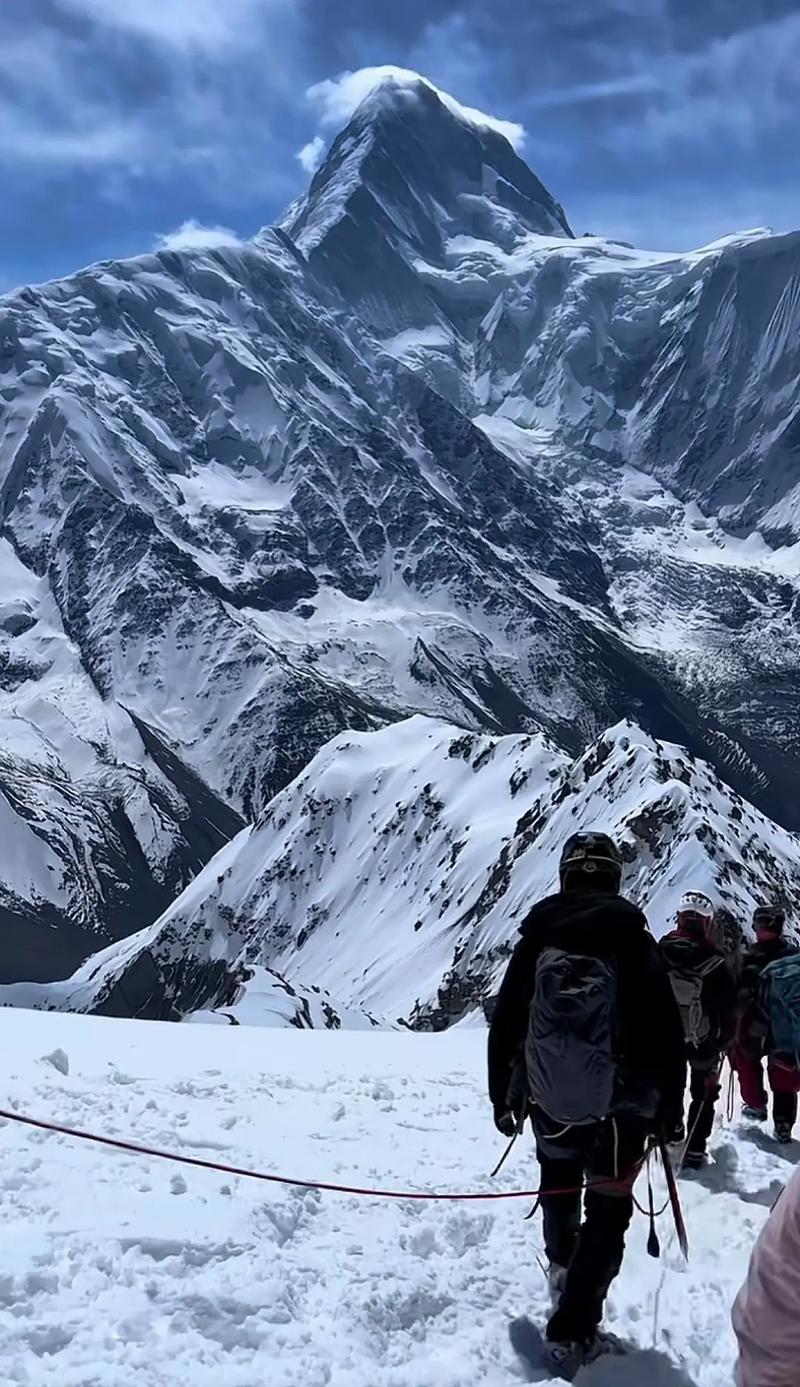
(377,88)
(410,172)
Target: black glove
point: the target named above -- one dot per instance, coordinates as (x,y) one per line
(505,1122)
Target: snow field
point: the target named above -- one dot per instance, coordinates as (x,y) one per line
(117,1269)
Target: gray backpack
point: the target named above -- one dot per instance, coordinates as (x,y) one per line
(687,984)
(570,1049)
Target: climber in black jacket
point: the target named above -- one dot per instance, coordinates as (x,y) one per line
(588,921)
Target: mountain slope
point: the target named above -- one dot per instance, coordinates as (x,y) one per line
(392,873)
(248,499)
(99,820)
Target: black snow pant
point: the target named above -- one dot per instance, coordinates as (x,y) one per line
(704,1090)
(591,1250)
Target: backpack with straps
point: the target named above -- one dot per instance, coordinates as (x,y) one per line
(570,1048)
(780,999)
(687,985)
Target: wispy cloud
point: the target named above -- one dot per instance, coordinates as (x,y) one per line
(585,93)
(736,88)
(192,235)
(150,90)
(48,118)
(311,155)
(728,93)
(201,24)
(108,143)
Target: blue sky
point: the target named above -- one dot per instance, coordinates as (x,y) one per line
(666,122)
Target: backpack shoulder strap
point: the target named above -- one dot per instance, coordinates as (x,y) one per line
(710,965)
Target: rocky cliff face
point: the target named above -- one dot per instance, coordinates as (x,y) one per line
(416,450)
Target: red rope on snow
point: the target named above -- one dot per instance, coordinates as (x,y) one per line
(118,1144)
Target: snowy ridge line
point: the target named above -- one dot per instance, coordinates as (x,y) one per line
(454,834)
(119,1144)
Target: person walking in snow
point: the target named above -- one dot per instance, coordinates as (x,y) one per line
(765,1314)
(768,1023)
(706,995)
(586,1036)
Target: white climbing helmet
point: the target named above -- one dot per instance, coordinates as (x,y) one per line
(696,903)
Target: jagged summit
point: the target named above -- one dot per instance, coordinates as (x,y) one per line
(409,173)
(388,85)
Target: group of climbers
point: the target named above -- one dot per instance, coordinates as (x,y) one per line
(595,1029)
(747,1009)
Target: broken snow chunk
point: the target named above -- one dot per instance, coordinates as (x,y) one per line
(59,1059)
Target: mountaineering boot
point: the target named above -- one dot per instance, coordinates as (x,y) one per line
(556,1281)
(603,1342)
(568,1356)
(783,1133)
(677,1136)
(565,1359)
(694,1160)
(754,1114)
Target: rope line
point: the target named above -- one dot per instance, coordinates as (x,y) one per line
(221,1168)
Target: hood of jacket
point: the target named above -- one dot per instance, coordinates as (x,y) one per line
(584,921)
(681,950)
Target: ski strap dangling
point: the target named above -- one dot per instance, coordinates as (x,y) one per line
(731,1093)
(674,1197)
(653,1245)
(520,1127)
(504,1156)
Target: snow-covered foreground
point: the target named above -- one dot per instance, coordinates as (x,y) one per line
(117,1269)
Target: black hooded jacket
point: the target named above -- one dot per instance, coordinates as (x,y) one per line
(604,926)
